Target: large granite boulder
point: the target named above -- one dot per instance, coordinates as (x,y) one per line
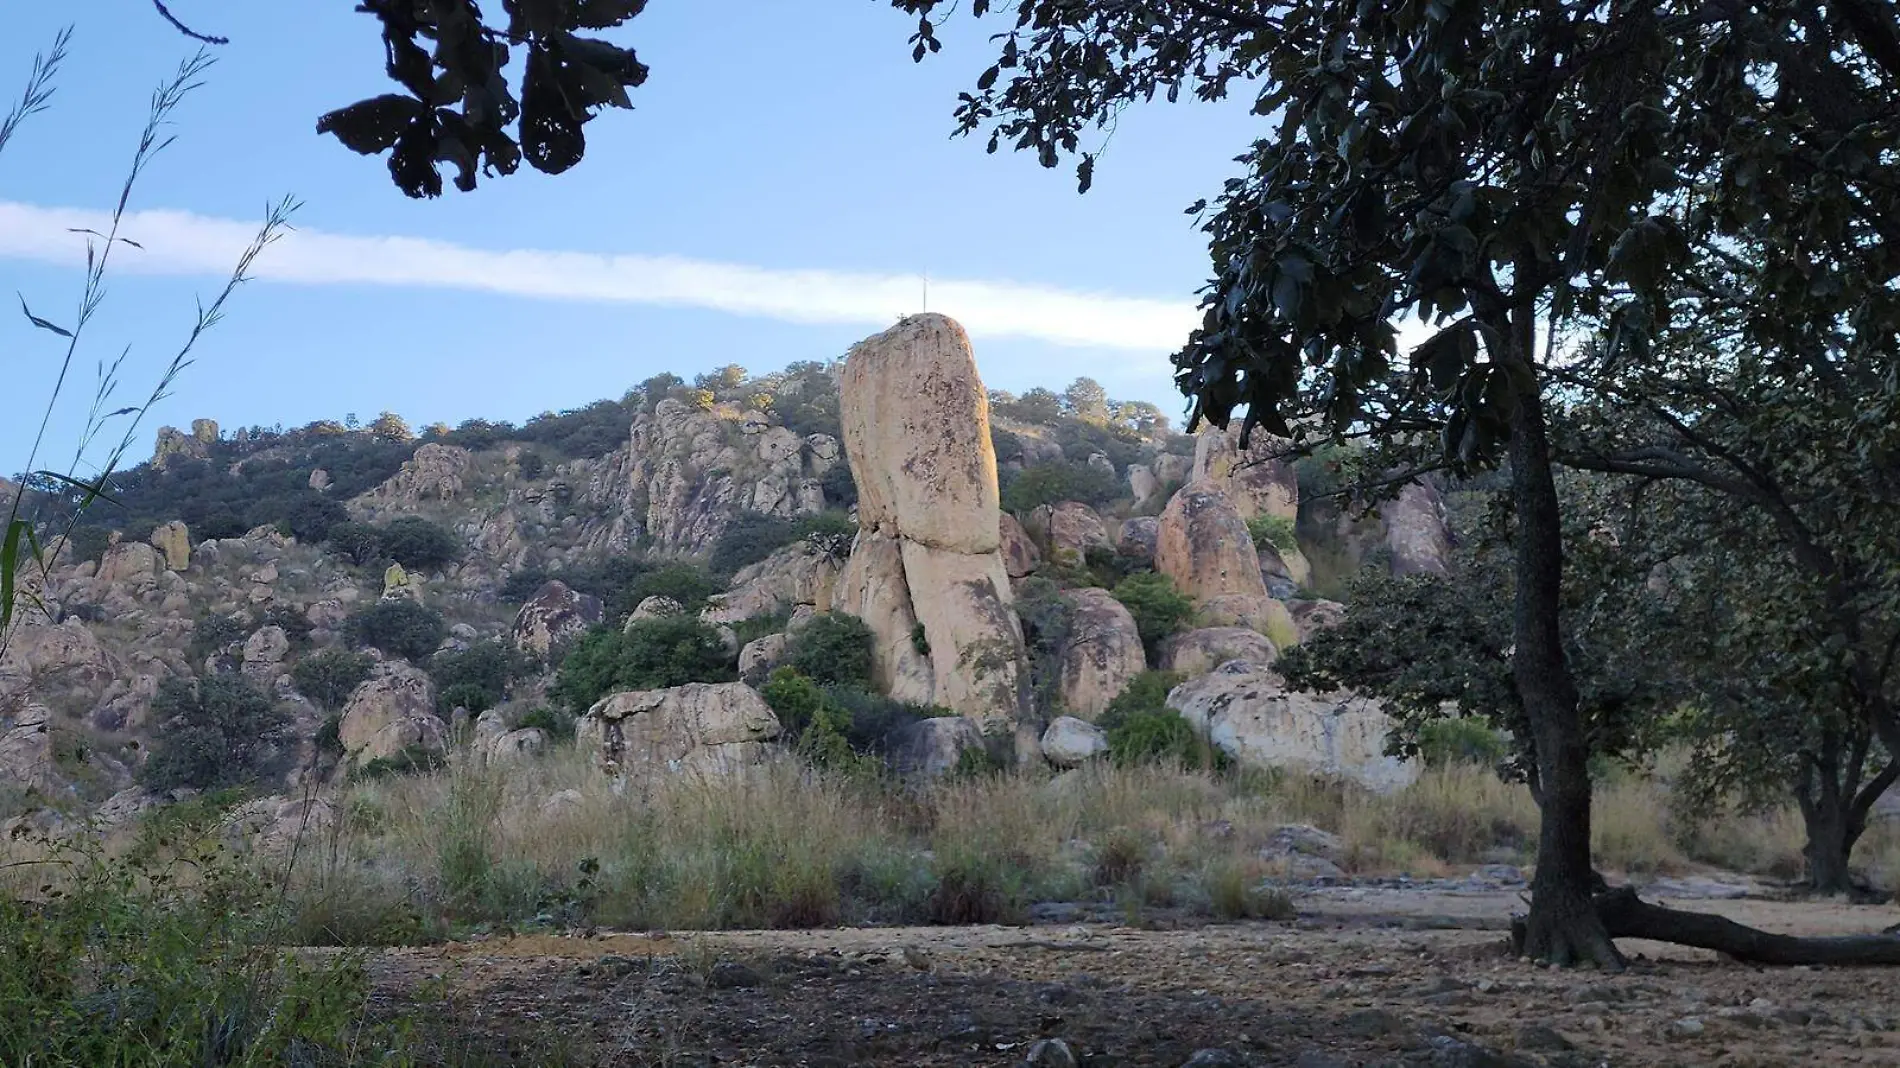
(553,617)
(1102,654)
(1247,710)
(927,572)
(1021,558)
(1203,544)
(173,542)
(797,574)
(1197,652)
(391,711)
(1257,479)
(435,473)
(932,747)
(700,729)
(1070,742)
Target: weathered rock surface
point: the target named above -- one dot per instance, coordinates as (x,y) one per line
(1102,654)
(929,748)
(1202,544)
(392,710)
(26,752)
(797,574)
(435,473)
(554,616)
(1415,531)
(699,729)
(264,653)
(1247,710)
(1262,614)
(1138,538)
(1311,617)
(927,573)
(1070,742)
(1255,479)
(130,563)
(1021,558)
(1074,529)
(1197,652)
(173,542)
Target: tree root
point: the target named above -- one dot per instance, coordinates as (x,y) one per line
(1623,915)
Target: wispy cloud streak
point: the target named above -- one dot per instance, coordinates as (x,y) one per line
(181,243)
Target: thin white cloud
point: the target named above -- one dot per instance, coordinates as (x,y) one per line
(182,243)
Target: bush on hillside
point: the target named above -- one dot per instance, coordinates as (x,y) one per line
(419,544)
(216,731)
(329,676)
(1052,483)
(359,543)
(651,654)
(1142,729)
(214,634)
(1160,610)
(1273,532)
(833,649)
(477,678)
(398,627)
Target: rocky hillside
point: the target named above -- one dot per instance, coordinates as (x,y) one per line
(371,595)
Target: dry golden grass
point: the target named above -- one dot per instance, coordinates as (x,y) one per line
(551,841)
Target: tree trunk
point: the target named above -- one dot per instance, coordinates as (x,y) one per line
(1563,926)
(1624,916)
(1829,844)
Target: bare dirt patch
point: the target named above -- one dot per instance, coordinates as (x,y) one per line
(1377,977)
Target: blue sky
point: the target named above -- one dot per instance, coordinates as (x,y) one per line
(783,180)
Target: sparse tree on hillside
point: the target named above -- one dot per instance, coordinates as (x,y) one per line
(1085,399)
(390,427)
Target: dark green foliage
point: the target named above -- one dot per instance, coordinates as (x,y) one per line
(359,543)
(477,678)
(88,541)
(749,538)
(833,649)
(329,737)
(477,434)
(1160,610)
(1047,617)
(532,465)
(220,730)
(651,654)
(559,725)
(291,620)
(841,490)
(564,75)
(1052,483)
(1460,741)
(1273,532)
(214,634)
(751,630)
(419,544)
(1141,728)
(584,433)
(920,639)
(685,583)
(399,627)
(521,586)
(307,516)
(411,761)
(329,676)
(871,719)
(818,727)
(1037,405)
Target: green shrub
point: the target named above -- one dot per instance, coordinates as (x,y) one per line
(419,544)
(1053,483)
(532,465)
(214,634)
(360,543)
(651,654)
(221,730)
(329,737)
(1273,532)
(871,719)
(477,678)
(558,725)
(1160,610)
(1442,742)
(329,677)
(521,586)
(1047,617)
(833,649)
(291,620)
(410,761)
(751,630)
(749,538)
(796,700)
(1141,728)
(398,627)
(841,490)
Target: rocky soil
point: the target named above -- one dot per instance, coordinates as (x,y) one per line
(1388,975)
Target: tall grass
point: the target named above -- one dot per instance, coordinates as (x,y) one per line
(22,549)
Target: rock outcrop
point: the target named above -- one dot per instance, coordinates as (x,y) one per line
(554,616)
(927,573)
(173,542)
(264,653)
(1247,710)
(798,574)
(1415,531)
(1073,529)
(1138,539)
(1102,654)
(1202,544)
(1021,558)
(391,711)
(1256,479)
(933,747)
(1197,652)
(1070,742)
(435,473)
(700,729)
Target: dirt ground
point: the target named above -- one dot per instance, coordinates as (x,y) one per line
(1363,977)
